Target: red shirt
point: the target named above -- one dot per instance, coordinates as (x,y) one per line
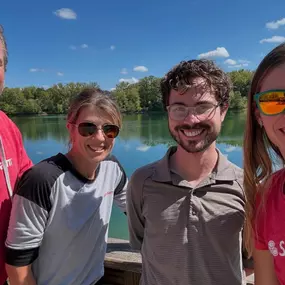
(17,162)
(270,224)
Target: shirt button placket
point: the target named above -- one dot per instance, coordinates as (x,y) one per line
(193,214)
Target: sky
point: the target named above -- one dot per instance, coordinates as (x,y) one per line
(111,41)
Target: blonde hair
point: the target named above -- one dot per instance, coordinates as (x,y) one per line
(259,152)
(101,100)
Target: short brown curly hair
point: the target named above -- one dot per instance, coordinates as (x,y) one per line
(183,74)
(4,46)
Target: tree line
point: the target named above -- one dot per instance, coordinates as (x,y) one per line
(144,96)
(149,129)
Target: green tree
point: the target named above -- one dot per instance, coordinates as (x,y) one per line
(241,80)
(150,95)
(237,102)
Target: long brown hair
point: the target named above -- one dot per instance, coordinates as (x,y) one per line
(258,151)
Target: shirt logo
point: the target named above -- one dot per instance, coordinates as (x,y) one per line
(8,161)
(277,249)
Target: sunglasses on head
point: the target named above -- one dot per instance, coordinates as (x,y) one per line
(271,102)
(89,129)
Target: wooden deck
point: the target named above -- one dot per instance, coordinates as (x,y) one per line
(123,265)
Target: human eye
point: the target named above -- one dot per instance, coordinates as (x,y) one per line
(178,108)
(204,108)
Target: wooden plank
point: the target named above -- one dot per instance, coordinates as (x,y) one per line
(132,278)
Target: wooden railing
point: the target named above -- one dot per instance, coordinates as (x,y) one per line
(122,265)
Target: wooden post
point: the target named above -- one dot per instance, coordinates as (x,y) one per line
(122,265)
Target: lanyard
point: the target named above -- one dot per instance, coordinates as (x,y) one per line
(5,168)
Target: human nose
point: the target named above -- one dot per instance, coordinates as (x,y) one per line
(99,135)
(191,117)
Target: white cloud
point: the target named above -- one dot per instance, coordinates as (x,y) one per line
(73,47)
(36,70)
(218,52)
(65,13)
(112,47)
(84,46)
(243,61)
(274,39)
(275,25)
(129,80)
(237,64)
(124,71)
(60,74)
(143,148)
(230,149)
(113,89)
(140,68)
(230,62)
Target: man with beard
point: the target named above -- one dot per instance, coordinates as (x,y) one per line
(186,211)
(13,160)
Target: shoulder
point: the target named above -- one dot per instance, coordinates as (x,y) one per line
(145,172)
(42,176)
(111,163)
(9,127)
(238,171)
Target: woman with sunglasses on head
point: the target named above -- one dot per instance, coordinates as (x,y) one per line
(264,149)
(61,210)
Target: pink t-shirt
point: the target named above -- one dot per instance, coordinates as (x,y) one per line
(18,162)
(270,224)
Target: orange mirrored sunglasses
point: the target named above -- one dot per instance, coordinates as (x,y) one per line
(271,102)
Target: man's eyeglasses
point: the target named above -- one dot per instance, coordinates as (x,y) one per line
(87,129)
(202,112)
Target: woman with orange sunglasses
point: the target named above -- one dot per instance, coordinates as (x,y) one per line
(264,157)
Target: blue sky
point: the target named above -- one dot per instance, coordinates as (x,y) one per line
(111,41)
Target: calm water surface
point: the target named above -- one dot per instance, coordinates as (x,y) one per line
(143,139)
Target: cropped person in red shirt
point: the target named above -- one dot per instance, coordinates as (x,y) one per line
(264,149)
(13,160)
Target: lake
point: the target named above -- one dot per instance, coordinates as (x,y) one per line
(143,139)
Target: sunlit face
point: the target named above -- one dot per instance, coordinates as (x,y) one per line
(96,147)
(196,133)
(274,125)
(2,70)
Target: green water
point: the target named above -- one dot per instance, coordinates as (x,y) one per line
(143,139)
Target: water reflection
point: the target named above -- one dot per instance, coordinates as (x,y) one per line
(151,129)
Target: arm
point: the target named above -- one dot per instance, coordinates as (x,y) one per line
(134,210)
(264,272)
(26,228)
(20,275)
(248,264)
(120,191)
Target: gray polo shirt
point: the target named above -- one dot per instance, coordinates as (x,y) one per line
(187,236)
(59,221)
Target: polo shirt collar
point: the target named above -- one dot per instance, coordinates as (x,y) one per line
(224,170)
